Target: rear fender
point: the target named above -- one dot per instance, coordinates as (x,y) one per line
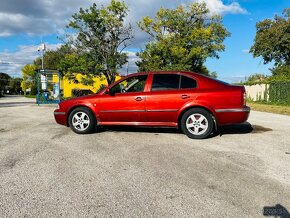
(195,104)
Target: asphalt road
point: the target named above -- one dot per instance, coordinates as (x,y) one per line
(46,170)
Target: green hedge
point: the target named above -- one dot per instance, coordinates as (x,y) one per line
(279,92)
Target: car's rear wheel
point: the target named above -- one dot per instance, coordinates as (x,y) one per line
(82,120)
(197,123)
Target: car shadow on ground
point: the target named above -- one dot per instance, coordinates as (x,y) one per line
(154,130)
(276,211)
(244,128)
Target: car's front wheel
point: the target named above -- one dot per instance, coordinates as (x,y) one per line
(197,123)
(82,120)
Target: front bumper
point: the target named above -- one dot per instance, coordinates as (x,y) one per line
(60,117)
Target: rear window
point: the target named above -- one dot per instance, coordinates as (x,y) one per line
(187,83)
(171,82)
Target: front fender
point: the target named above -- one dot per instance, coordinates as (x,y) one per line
(89,105)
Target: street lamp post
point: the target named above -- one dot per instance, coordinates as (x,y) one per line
(43,78)
(42,48)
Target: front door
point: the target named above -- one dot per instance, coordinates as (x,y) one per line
(125,103)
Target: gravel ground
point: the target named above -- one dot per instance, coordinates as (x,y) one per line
(46,170)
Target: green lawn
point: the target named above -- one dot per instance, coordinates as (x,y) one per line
(278,109)
(30,96)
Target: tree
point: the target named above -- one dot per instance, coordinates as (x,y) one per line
(4,80)
(257,77)
(53,58)
(182,39)
(15,85)
(272,43)
(100,39)
(29,78)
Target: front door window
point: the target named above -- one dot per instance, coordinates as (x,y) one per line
(132,84)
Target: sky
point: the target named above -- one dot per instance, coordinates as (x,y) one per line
(24,24)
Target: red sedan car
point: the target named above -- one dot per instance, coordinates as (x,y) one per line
(195,103)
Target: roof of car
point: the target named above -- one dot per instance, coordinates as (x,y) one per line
(167,72)
(198,75)
(207,82)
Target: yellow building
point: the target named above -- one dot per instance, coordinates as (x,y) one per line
(70,88)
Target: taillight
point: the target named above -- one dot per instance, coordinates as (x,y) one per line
(244,98)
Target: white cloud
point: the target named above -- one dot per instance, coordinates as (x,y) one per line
(40,18)
(132,59)
(11,62)
(246,50)
(218,7)
(35,17)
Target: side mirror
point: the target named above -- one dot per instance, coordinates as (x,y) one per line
(110,92)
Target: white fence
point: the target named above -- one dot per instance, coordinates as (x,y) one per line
(257,92)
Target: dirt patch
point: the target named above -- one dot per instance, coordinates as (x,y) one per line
(3,130)
(61,134)
(10,163)
(260,129)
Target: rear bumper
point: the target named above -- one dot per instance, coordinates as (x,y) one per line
(227,116)
(60,117)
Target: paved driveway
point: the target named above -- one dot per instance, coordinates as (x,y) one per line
(46,170)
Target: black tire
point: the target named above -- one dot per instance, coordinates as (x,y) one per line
(82,120)
(201,121)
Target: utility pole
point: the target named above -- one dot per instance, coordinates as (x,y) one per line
(42,48)
(43,78)
(127,67)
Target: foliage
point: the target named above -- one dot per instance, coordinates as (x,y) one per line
(272,43)
(182,39)
(15,85)
(53,58)
(4,81)
(281,72)
(279,93)
(30,96)
(263,79)
(213,74)
(102,87)
(276,92)
(257,77)
(100,39)
(29,78)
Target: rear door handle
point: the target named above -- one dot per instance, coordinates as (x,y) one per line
(185,96)
(138,98)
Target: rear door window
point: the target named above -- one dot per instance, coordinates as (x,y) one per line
(172,82)
(187,83)
(165,82)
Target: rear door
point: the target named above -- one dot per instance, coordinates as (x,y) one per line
(169,92)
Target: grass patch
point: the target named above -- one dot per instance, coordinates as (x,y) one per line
(30,96)
(277,109)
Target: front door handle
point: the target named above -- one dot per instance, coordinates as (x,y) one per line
(138,98)
(185,96)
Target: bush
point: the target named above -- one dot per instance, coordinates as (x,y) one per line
(279,92)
